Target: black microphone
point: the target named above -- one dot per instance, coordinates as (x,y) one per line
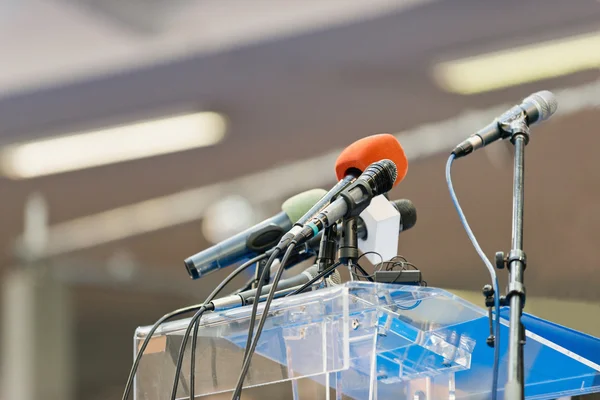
(408,219)
(408,213)
(248,296)
(377,179)
(310,249)
(254,240)
(536,108)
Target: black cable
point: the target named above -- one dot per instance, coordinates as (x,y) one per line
(136,363)
(399,274)
(370,252)
(363,272)
(259,287)
(193,358)
(214,294)
(315,278)
(263,319)
(195,319)
(376,267)
(173,350)
(177,313)
(389,265)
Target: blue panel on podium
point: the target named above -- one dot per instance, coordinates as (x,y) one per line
(367,341)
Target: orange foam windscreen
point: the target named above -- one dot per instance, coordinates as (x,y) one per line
(364,152)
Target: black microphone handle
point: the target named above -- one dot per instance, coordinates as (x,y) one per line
(334,191)
(360,227)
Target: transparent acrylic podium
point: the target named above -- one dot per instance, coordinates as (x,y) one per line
(368,341)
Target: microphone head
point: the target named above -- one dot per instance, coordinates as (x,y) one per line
(381,176)
(545,104)
(296,206)
(334,279)
(355,158)
(408,213)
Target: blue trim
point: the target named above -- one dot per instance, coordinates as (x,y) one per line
(314,228)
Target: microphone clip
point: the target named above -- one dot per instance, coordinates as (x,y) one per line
(355,208)
(513,126)
(488,294)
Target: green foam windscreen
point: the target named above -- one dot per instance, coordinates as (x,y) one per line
(298,205)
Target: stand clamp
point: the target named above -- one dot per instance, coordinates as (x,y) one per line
(258,273)
(515,126)
(503,261)
(488,293)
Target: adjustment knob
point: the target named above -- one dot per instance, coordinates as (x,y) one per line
(500,260)
(487,290)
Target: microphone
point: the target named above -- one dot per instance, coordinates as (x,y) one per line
(309,249)
(377,179)
(408,219)
(536,108)
(254,240)
(408,213)
(361,154)
(285,286)
(354,159)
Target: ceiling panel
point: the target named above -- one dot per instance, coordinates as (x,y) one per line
(299,96)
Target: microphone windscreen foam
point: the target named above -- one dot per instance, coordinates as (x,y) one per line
(364,152)
(408,213)
(296,206)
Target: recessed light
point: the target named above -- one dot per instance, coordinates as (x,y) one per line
(519,65)
(111,145)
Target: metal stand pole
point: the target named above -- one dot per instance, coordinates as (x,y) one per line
(516,262)
(327,248)
(348,249)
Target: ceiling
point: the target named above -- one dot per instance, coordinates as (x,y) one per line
(296,81)
(48,42)
(292,96)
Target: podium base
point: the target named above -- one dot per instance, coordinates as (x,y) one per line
(364,340)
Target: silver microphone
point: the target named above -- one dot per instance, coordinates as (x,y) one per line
(536,108)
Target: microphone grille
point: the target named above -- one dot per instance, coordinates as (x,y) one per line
(408,213)
(545,102)
(334,279)
(381,176)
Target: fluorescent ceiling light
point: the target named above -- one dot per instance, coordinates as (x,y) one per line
(519,65)
(112,145)
(293,177)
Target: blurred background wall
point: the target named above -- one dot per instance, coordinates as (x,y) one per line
(250,103)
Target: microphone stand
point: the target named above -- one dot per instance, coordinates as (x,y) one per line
(327,248)
(258,274)
(348,249)
(516,261)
